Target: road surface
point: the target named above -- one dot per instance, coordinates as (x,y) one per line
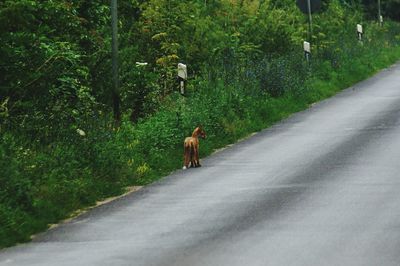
(320,188)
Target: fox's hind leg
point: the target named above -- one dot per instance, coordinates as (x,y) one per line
(197,159)
(192,156)
(186,156)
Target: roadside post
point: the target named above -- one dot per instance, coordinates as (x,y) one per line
(359,32)
(308,7)
(307,50)
(182,77)
(114,58)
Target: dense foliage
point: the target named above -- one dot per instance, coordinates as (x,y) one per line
(59,150)
(390,9)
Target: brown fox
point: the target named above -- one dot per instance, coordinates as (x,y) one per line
(191,148)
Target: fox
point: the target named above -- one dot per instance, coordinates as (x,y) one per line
(191,148)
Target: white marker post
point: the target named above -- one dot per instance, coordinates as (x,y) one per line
(359,32)
(307,50)
(182,76)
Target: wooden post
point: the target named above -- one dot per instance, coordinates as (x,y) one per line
(379,13)
(115,91)
(309,21)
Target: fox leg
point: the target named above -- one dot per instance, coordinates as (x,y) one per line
(186,157)
(197,160)
(192,161)
(192,156)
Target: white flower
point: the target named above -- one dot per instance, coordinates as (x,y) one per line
(141,64)
(80,132)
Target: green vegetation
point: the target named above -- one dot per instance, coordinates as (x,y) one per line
(59,150)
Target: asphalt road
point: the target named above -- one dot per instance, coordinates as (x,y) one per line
(320,188)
